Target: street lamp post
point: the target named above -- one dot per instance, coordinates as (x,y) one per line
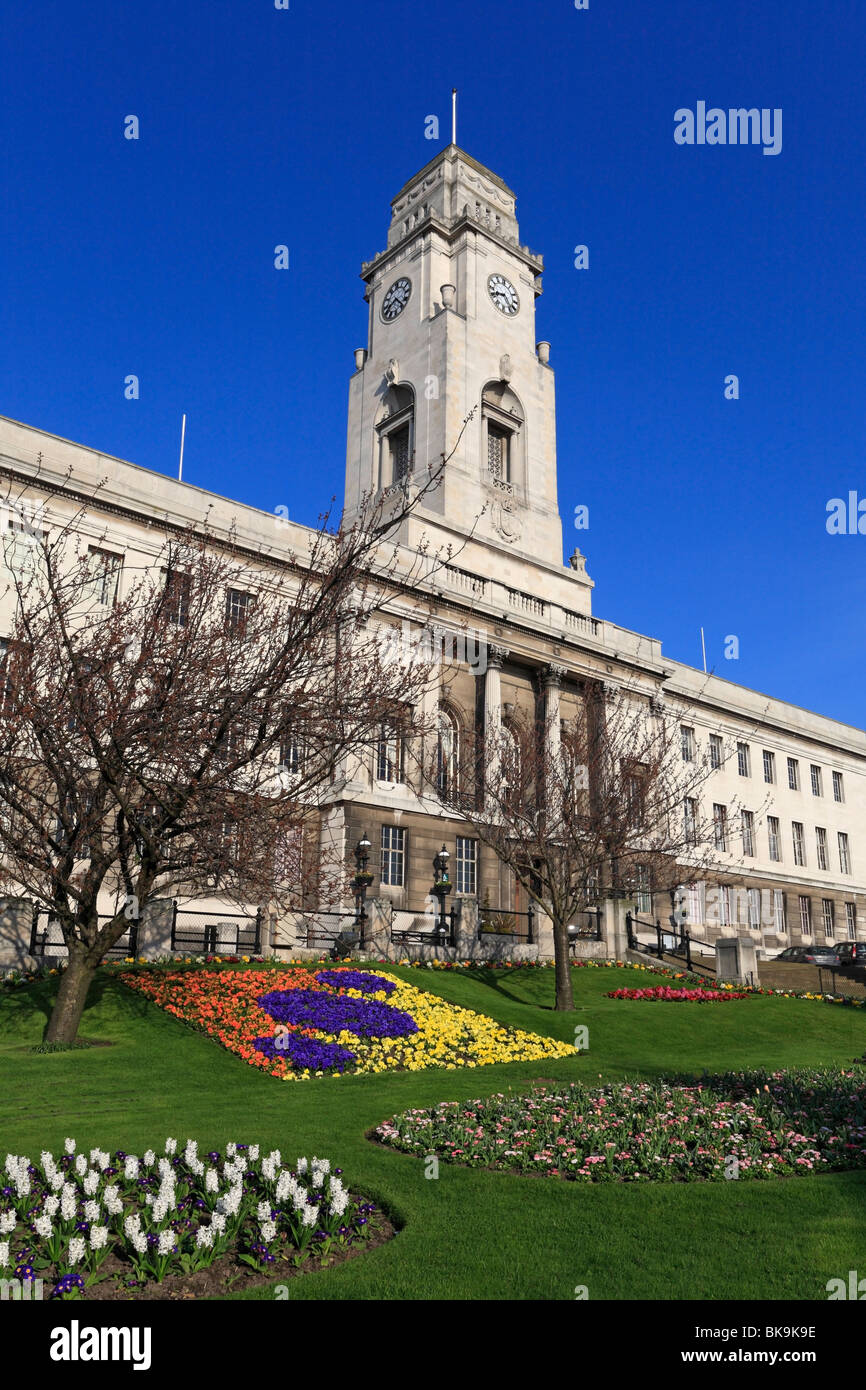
(442,886)
(363,878)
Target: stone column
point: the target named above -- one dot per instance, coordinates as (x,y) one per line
(552,679)
(377,930)
(466,928)
(493,716)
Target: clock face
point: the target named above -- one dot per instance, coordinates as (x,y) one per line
(396,299)
(503,294)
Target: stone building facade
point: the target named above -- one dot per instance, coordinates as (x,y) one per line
(453,367)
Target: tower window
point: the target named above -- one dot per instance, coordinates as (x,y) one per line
(398,442)
(497,453)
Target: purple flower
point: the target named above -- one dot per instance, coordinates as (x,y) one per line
(334,1013)
(356,979)
(307,1053)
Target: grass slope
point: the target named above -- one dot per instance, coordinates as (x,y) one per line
(470,1234)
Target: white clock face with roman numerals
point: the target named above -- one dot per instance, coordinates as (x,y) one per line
(503,294)
(396,299)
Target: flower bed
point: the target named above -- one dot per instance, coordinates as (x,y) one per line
(128,1223)
(687,996)
(746,1124)
(336,1029)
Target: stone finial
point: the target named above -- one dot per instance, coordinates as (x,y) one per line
(543,350)
(578,561)
(448,292)
(360,358)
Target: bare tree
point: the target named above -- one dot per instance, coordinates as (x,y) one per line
(186,733)
(577,810)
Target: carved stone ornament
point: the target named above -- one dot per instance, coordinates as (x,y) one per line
(506,525)
(393,372)
(554,674)
(578,561)
(505,367)
(496,656)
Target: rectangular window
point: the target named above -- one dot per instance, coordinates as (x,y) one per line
(178,589)
(806,916)
(393,855)
(104,576)
(769,766)
(497,453)
(238,604)
(748,822)
(467,865)
(292,753)
(828,918)
(398,443)
(690,820)
(844,853)
(724,906)
(743,760)
(779,916)
(389,753)
(821,843)
(817,789)
(838,787)
(799,843)
(754,900)
(720,827)
(715,751)
(793,774)
(687,743)
(694,904)
(773,834)
(851,921)
(643,897)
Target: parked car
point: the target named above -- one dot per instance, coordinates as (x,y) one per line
(810,955)
(852,953)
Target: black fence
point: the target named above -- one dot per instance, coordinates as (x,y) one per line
(585,927)
(516,926)
(46,937)
(213,933)
(437,931)
(325,930)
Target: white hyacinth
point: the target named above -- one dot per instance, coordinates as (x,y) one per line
(166,1243)
(98,1237)
(91,1182)
(253,1152)
(113,1202)
(69,1146)
(50,1205)
(8,1222)
(268,1230)
(131,1226)
(68,1204)
(77,1250)
(211,1180)
(139,1242)
(231,1150)
(164,1167)
(310,1216)
(301,1165)
(338,1204)
(190,1153)
(4,1253)
(218,1222)
(42,1226)
(204,1237)
(91,1211)
(160,1209)
(100,1158)
(80,1165)
(323,1163)
(171,1146)
(47,1161)
(197,1167)
(149,1158)
(56,1180)
(130,1168)
(263,1211)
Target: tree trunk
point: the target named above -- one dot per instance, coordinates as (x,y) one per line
(564,992)
(71,998)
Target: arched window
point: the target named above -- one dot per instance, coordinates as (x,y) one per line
(447,752)
(501,436)
(396,431)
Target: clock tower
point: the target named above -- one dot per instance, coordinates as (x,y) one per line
(451,331)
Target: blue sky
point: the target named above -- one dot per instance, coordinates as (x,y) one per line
(260,127)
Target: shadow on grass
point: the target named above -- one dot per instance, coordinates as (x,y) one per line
(18,1007)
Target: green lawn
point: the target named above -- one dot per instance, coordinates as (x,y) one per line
(471,1234)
